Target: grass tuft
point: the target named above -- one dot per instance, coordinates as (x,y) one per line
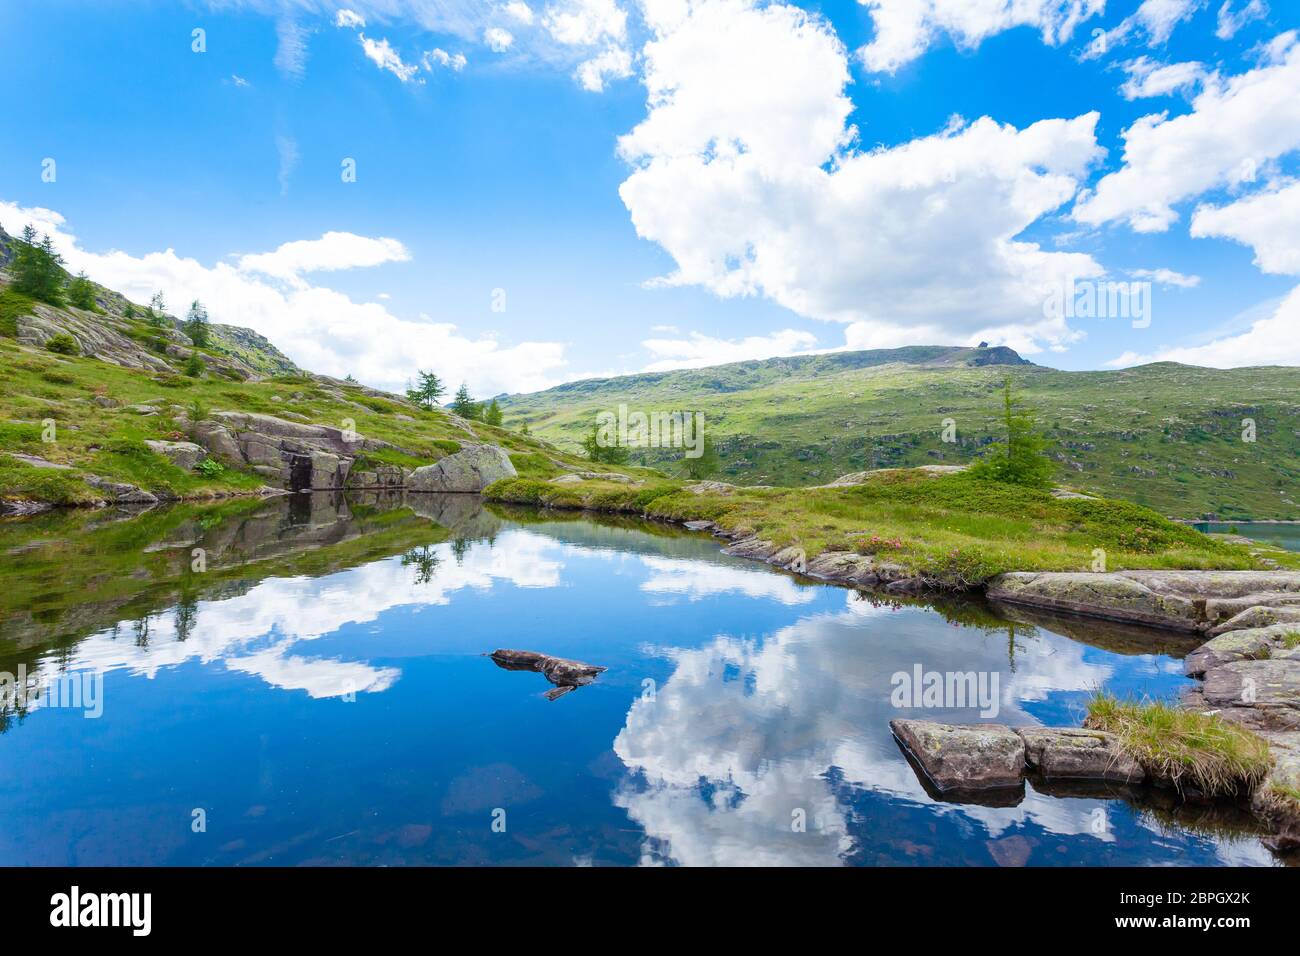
(1184,747)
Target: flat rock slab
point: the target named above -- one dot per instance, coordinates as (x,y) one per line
(1251,644)
(982,757)
(1187,600)
(1270,688)
(1071,753)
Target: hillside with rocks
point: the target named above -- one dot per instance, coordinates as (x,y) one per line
(116,404)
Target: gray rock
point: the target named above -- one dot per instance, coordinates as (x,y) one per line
(565,674)
(1251,644)
(182,454)
(1259,616)
(470,470)
(1269,688)
(982,757)
(216,438)
(36,462)
(121,492)
(698,525)
(1070,753)
(1186,600)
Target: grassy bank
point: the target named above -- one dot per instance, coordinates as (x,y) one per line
(1184,747)
(947,527)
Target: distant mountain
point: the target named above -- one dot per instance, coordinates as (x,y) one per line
(1164,435)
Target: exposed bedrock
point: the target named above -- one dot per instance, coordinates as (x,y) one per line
(565,674)
(1186,600)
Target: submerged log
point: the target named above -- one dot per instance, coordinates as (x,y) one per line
(565,674)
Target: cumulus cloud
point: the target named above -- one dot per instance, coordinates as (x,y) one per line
(319,328)
(700,351)
(329,253)
(1231,19)
(349,19)
(1236,126)
(1268,222)
(612,64)
(745,175)
(1273,340)
(520,11)
(1148,78)
(440,57)
(907,28)
(497,39)
(586,22)
(382,54)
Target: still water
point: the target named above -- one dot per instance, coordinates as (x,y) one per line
(1282,535)
(316,692)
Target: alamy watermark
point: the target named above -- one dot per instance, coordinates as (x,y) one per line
(72,690)
(958,690)
(638,429)
(1100,299)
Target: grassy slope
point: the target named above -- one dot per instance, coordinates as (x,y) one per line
(1167,436)
(952,528)
(40,385)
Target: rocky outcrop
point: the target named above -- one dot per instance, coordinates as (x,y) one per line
(1186,600)
(565,674)
(183,454)
(987,756)
(1072,753)
(470,470)
(576,477)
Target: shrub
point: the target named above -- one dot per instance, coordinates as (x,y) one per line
(194,365)
(63,344)
(210,468)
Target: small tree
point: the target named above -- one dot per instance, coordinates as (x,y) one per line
(607,454)
(1021,461)
(492,415)
(81,293)
(464,406)
(427,392)
(128,311)
(705,465)
(194,365)
(158,310)
(37,269)
(196,324)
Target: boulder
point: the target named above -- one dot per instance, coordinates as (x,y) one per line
(216,438)
(470,470)
(1071,753)
(183,454)
(1259,616)
(121,492)
(982,757)
(1253,643)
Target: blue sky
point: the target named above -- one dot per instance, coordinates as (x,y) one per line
(789,178)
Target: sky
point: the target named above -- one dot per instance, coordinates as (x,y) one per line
(517,194)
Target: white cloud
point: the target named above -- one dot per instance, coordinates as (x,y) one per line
(319,328)
(291,48)
(382,54)
(1268,222)
(349,19)
(906,28)
(1236,126)
(440,57)
(1148,78)
(742,173)
(331,252)
(1274,340)
(1167,278)
(614,63)
(1154,19)
(586,22)
(700,351)
(1232,20)
(238,80)
(520,11)
(497,39)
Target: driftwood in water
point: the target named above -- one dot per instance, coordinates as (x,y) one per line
(564,674)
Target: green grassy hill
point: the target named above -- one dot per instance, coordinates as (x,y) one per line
(102,382)
(1164,435)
